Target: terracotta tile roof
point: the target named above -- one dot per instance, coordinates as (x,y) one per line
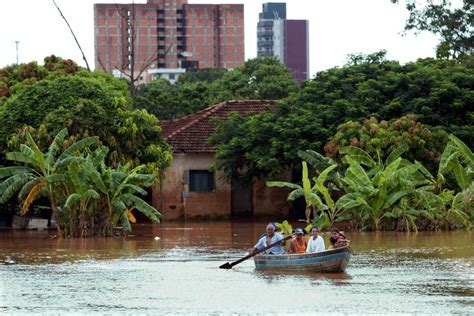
(190,134)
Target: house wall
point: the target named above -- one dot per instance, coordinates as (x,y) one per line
(270,201)
(177,202)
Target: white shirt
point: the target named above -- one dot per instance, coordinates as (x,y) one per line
(315,245)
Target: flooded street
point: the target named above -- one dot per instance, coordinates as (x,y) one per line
(427,273)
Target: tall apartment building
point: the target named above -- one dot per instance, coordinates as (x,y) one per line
(168,35)
(286,39)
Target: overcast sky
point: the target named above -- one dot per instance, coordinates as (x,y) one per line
(337,28)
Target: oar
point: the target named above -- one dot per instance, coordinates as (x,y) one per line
(228,265)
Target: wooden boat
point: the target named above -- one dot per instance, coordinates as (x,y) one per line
(334,260)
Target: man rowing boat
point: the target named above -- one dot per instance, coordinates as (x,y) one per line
(270,238)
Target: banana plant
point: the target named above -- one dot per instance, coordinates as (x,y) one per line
(40,174)
(314,204)
(121,188)
(376,189)
(84,195)
(458,159)
(311,198)
(319,163)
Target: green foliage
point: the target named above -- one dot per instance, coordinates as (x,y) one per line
(120,189)
(259,78)
(15,77)
(207,75)
(379,138)
(285,228)
(87,104)
(94,195)
(453,25)
(41,174)
(243,145)
(376,187)
(458,158)
(437,92)
(390,193)
(317,196)
(169,101)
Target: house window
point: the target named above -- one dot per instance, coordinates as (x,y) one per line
(201,181)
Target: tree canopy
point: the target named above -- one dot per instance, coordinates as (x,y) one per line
(13,78)
(87,104)
(258,79)
(437,92)
(380,138)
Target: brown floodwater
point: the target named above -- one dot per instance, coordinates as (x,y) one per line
(425,273)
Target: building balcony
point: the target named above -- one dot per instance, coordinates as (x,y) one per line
(268,23)
(262,53)
(264,33)
(265,44)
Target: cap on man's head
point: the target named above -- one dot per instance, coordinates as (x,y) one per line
(299,231)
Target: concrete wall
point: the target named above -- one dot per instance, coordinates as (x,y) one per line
(270,201)
(178,202)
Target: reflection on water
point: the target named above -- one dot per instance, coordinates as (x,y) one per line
(178,273)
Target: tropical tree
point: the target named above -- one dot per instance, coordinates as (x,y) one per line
(458,159)
(381,137)
(120,190)
(376,187)
(321,209)
(88,104)
(368,86)
(40,174)
(259,78)
(83,196)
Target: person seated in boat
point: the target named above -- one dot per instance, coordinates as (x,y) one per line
(315,242)
(337,239)
(270,237)
(298,243)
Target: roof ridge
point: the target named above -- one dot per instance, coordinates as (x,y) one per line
(199,116)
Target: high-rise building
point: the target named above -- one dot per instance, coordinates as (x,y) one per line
(166,35)
(286,39)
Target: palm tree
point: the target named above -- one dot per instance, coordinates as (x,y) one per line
(40,174)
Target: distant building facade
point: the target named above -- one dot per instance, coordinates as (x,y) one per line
(167,34)
(286,39)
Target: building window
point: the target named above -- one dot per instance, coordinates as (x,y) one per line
(172,76)
(201,181)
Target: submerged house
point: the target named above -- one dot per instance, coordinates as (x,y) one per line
(190,189)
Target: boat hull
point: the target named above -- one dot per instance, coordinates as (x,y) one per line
(334,260)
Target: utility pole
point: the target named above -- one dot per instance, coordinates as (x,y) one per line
(16,44)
